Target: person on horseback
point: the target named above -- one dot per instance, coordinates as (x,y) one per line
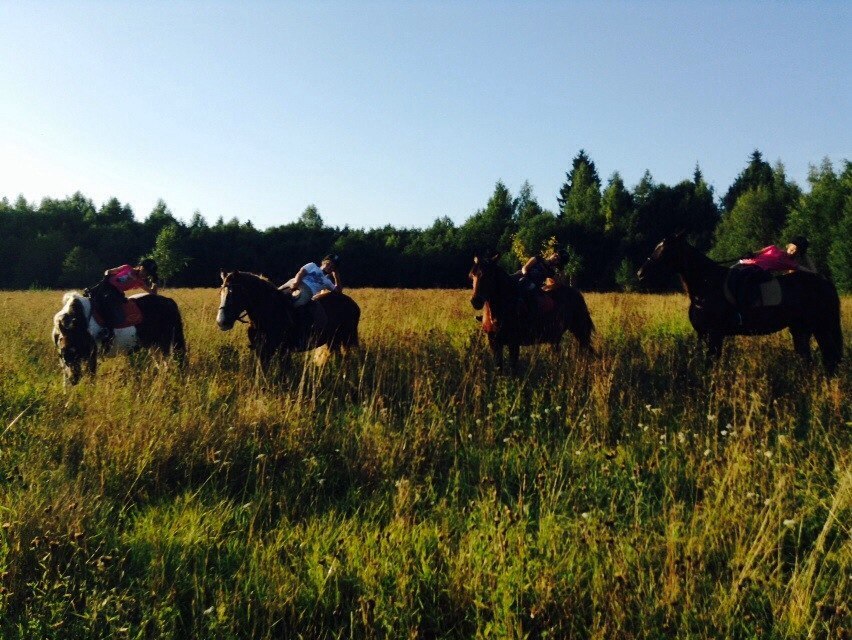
(108,295)
(772,258)
(757,267)
(313,283)
(538,269)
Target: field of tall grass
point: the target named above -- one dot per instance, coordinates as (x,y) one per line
(407,491)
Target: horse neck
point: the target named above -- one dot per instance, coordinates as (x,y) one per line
(504,292)
(698,272)
(266,306)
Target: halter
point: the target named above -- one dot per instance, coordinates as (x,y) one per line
(239,318)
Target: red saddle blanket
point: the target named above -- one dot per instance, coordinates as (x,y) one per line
(132,315)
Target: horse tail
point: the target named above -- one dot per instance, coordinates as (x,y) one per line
(350,336)
(577,317)
(178,340)
(829,334)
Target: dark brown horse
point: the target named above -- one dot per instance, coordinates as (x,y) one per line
(274,323)
(77,332)
(809,304)
(512,318)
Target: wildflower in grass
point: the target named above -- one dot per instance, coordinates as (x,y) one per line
(478,422)
(535,416)
(767,454)
(559,407)
(656,411)
(681,437)
(767,502)
(711,417)
(789,523)
(585,515)
(706,452)
(724,432)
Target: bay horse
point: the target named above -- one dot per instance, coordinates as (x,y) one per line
(509,322)
(77,332)
(274,328)
(809,304)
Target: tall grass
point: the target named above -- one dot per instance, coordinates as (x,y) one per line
(409,491)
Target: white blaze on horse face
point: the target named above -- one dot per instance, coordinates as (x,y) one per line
(221,320)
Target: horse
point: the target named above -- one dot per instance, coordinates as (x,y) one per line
(275,327)
(509,322)
(78,331)
(809,304)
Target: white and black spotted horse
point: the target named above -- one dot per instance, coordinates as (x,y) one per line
(78,335)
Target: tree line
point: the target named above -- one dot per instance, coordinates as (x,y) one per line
(607,228)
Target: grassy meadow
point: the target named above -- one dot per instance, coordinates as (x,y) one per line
(407,491)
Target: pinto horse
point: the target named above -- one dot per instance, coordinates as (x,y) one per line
(77,331)
(274,328)
(509,322)
(809,303)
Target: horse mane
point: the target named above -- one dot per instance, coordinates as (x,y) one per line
(256,281)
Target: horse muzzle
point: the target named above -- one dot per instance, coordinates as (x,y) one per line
(477,302)
(222,320)
(643,272)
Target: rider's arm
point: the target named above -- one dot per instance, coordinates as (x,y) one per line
(298,279)
(335,277)
(529,264)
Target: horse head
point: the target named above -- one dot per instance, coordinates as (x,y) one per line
(665,255)
(233,300)
(483,276)
(71,336)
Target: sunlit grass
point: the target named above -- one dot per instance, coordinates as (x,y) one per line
(409,491)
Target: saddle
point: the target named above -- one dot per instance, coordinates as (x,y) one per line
(131,311)
(752,289)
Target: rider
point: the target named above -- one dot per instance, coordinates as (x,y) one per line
(772,258)
(314,282)
(755,268)
(538,269)
(110,298)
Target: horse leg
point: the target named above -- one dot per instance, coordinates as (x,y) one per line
(831,350)
(497,352)
(802,343)
(92,361)
(714,341)
(514,351)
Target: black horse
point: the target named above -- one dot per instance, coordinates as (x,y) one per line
(77,332)
(274,324)
(513,318)
(809,304)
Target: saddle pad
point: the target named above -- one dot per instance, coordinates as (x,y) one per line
(770,293)
(488,324)
(132,315)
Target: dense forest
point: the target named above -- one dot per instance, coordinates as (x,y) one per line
(607,228)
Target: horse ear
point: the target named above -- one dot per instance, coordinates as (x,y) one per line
(475,259)
(495,257)
(222,274)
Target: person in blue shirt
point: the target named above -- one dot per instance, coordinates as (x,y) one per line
(313,282)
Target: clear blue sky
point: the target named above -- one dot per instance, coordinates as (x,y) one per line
(401,112)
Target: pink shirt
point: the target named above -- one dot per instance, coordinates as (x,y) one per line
(772,258)
(125,278)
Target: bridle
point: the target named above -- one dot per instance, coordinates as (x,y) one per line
(222,307)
